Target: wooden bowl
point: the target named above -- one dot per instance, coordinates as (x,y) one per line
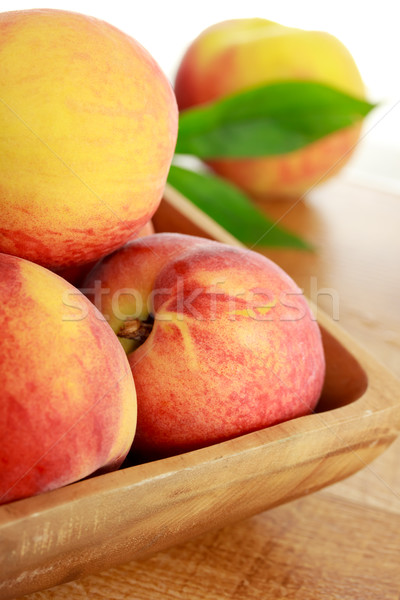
(110,519)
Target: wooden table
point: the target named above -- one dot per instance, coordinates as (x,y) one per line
(342,542)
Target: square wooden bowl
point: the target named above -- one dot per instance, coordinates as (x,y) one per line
(110,519)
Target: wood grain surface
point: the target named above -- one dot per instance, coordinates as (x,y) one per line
(339,543)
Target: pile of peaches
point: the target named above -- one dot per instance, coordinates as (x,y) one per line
(171,342)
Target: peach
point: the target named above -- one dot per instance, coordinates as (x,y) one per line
(89,125)
(68,402)
(235,55)
(220,340)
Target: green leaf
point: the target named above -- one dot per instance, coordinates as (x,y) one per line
(272,119)
(231,209)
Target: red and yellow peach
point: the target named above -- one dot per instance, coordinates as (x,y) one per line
(233,347)
(89,125)
(68,403)
(239,54)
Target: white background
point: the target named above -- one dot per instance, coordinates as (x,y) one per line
(369,30)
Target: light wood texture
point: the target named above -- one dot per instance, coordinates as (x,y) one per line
(341,542)
(316,548)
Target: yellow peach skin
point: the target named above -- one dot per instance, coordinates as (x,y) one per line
(233,347)
(88,131)
(238,54)
(68,401)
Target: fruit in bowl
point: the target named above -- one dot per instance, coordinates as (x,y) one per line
(89,125)
(220,340)
(235,55)
(68,403)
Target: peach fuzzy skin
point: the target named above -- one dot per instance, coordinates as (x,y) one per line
(238,54)
(234,347)
(77,273)
(68,402)
(89,125)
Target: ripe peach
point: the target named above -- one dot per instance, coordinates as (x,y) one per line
(68,403)
(89,125)
(238,54)
(233,346)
